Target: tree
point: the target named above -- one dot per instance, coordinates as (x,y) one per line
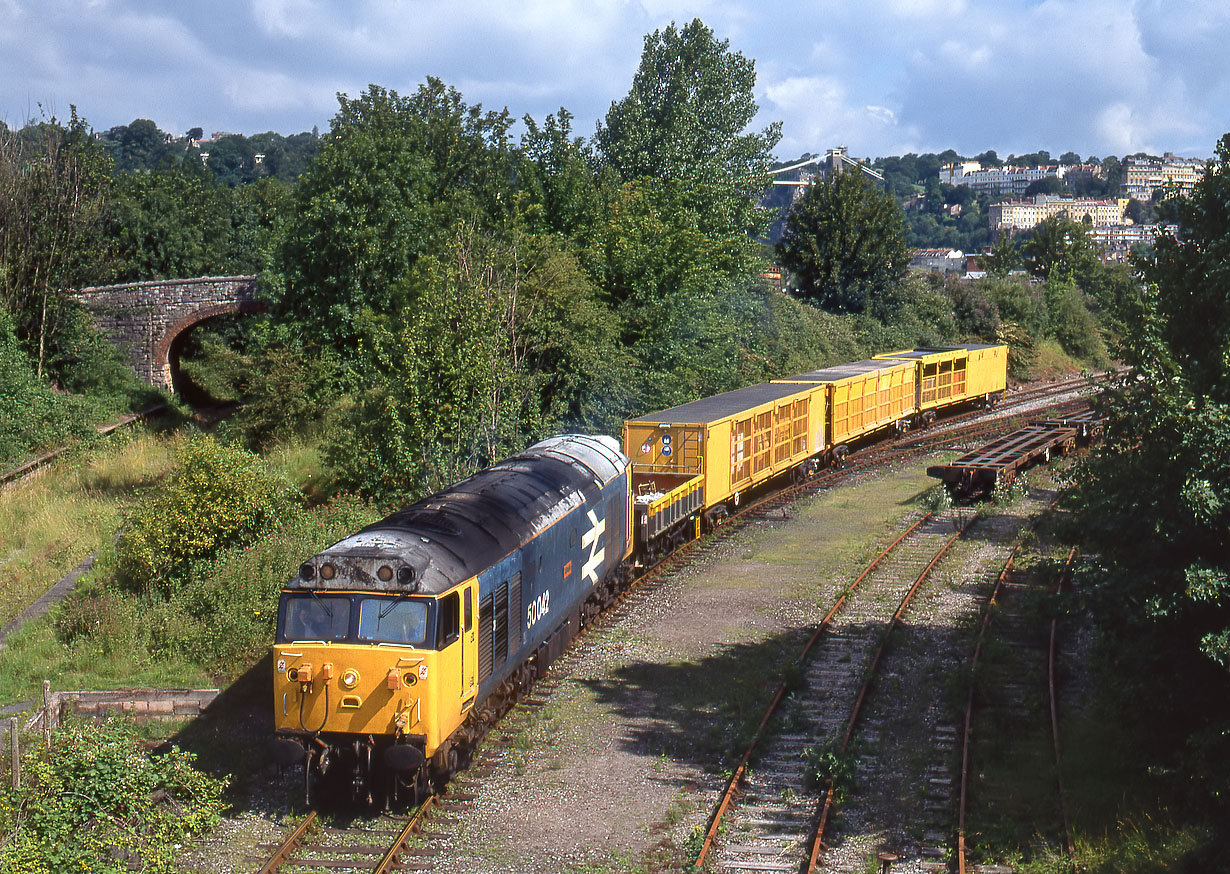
(507,342)
(173,221)
(1047,185)
(53,184)
(142,146)
(683,123)
(1154,499)
(1058,246)
(392,176)
(844,243)
(1004,257)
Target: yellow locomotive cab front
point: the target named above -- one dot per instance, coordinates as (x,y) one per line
(367,674)
(352,689)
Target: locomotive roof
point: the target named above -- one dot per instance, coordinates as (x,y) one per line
(454,534)
(722,406)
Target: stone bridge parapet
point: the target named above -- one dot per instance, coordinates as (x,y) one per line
(145,318)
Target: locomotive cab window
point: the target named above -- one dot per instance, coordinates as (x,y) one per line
(314,617)
(448,620)
(393,620)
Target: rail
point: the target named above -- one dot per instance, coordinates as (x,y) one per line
(817,844)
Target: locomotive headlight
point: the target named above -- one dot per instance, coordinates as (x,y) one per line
(350,679)
(307,571)
(385,573)
(327,571)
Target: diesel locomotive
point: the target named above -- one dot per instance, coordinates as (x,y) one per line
(398,646)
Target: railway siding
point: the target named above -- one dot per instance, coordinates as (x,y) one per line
(904,796)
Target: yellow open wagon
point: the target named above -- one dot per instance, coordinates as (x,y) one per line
(698,457)
(949,375)
(862,397)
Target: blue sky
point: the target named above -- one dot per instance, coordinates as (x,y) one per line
(883,77)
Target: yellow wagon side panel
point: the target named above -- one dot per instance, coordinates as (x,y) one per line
(952,374)
(988,371)
(743,438)
(862,397)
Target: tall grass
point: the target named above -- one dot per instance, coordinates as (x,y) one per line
(51,522)
(207,626)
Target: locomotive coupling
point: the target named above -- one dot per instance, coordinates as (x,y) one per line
(303,676)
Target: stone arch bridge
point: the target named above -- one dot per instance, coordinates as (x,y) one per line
(146,318)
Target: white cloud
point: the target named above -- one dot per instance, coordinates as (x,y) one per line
(883,77)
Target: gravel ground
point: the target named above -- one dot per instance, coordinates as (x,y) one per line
(619,769)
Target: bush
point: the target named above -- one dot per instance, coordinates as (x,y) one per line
(218,496)
(223,616)
(97,802)
(33,416)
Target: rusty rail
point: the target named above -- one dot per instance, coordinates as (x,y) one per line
(969,709)
(30,466)
(392,858)
(733,783)
(282,854)
(389,861)
(817,845)
(1050,681)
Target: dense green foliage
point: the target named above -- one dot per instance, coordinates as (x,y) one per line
(97,802)
(35,416)
(218,496)
(1155,497)
(684,121)
(844,243)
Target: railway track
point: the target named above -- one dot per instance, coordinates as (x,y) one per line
(906,769)
(378,844)
(774,827)
(1015,688)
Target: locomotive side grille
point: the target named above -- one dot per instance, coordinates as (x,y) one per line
(500,636)
(515,612)
(484,639)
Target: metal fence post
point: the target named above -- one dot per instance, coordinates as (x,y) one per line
(16,753)
(47,713)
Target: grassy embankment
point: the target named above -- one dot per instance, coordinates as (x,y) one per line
(214,625)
